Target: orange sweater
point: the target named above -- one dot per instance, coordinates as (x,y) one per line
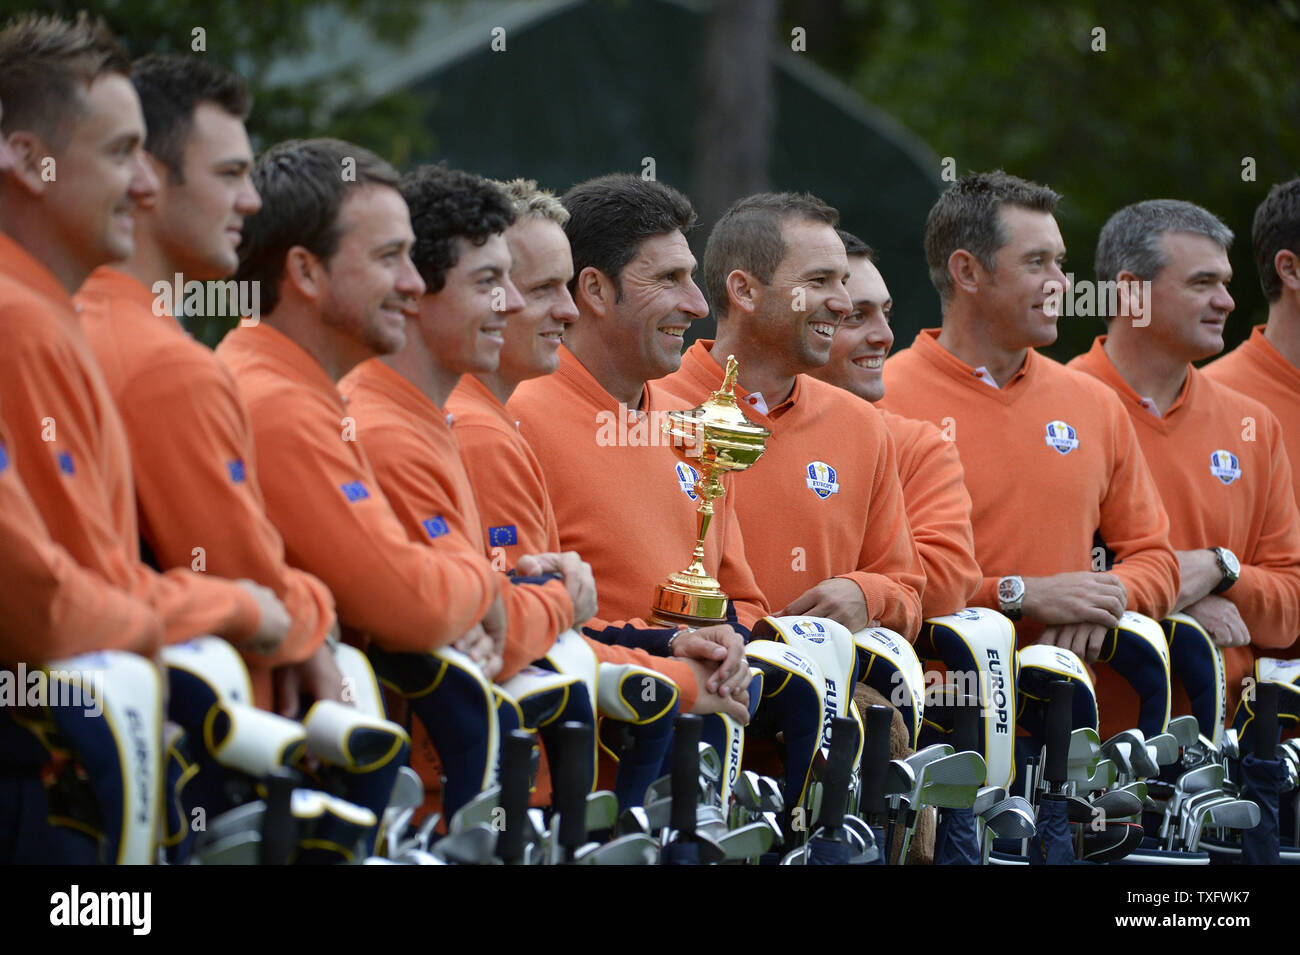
(417,461)
(938,510)
(848,520)
(195,465)
(513,502)
(49,606)
(1257,369)
(72,457)
(1222,490)
(618,499)
(323,496)
(1051,460)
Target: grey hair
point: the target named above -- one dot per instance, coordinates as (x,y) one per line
(1132,240)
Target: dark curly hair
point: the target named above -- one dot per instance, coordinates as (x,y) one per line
(447,204)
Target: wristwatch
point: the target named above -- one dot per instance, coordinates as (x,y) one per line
(1229,566)
(1011,594)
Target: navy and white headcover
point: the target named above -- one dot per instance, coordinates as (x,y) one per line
(889,665)
(831,646)
(1197,661)
(457,706)
(106,707)
(727,737)
(1040,664)
(1138,651)
(978,648)
(1286,675)
(793,689)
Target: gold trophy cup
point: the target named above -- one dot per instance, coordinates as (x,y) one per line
(726,441)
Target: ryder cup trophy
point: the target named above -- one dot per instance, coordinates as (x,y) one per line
(726,441)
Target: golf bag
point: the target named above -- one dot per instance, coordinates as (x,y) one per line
(794,706)
(1283,674)
(981,643)
(102,717)
(457,707)
(1198,663)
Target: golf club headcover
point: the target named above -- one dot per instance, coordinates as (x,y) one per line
(180,765)
(1039,664)
(361,753)
(360,688)
(1138,651)
(1286,675)
(106,708)
(1198,663)
(982,643)
(1275,701)
(200,674)
(888,664)
(252,741)
(457,707)
(545,696)
(641,704)
(572,654)
(793,706)
(329,829)
(727,736)
(831,646)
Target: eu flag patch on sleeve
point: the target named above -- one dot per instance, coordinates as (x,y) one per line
(236,469)
(4,458)
(504,536)
(354,491)
(436,526)
(65,462)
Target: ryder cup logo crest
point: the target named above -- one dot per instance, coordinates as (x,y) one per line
(821,479)
(1225,466)
(810,630)
(686,477)
(1061,436)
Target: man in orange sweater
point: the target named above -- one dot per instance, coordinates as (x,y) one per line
(827,532)
(68,102)
(1266,366)
(512,499)
(195,468)
(330,249)
(398,400)
(929,468)
(616,484)
(1217,456)
(1050,456)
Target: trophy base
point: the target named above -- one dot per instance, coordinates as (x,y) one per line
(675,605)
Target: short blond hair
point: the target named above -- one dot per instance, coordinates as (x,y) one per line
(533,202)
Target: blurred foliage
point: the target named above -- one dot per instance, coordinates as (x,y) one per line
(249,37)
(1180,96)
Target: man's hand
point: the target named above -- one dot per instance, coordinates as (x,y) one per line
(273,625)
(838,599)
(494,625)
(1198,574)
(577,576)
(1078,597)
(1221,620)
(723,648)
(318,677)
(1085,639)
(735,705)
